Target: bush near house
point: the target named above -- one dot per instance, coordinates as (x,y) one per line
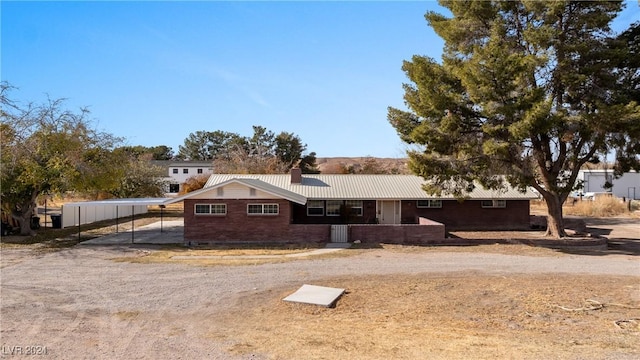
(194,183)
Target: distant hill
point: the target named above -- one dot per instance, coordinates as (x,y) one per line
(362,165)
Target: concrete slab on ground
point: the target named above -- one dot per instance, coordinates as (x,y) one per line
(315,295)
(169,232)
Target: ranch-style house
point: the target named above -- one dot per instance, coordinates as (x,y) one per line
(322,208)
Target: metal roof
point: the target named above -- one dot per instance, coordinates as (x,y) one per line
(122,202)
(249,182)
(274,190)
(361,187)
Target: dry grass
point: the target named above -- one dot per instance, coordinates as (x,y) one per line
(600,207)
(445,317)
(537,207)
(127,315)
(222,255)
(511,249)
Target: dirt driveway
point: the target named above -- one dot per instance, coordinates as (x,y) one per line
(402,302)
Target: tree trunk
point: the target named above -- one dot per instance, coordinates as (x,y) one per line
(23,217)
(555,222)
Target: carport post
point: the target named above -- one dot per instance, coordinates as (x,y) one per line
(161,212)
(116,219)
(133,215)
(79,208)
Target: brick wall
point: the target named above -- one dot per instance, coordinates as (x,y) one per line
(238,226)
(470,215)
(426,231)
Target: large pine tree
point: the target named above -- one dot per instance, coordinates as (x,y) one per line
(526,92)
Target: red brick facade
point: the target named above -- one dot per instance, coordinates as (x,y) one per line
(424,232)
(238,226)
(470,215)
(292,224)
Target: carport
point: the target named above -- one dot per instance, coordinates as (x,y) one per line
(86,212)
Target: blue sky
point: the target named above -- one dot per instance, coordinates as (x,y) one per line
(154,72)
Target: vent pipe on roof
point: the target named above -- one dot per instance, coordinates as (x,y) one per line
(296,175)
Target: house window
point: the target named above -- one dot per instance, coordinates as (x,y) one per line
(174,188)
(219,209)
(315,208)
(199,171)
(185,171)
(175,171)
(333,207)
(263,209)
(355,207)
(211,209)
(270,209)
(494,204)
(220,191)
(432,204)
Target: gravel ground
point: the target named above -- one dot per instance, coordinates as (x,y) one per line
(79,304)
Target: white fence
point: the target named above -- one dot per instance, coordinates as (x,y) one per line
(77,214)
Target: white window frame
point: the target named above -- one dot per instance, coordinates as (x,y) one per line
(270,209)
(210,209)
(495,204)
(265,209)
(175,171)
(431,204)
(199,171)
(331,209)
(356,206)
(316,202)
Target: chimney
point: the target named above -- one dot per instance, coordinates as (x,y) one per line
(296,175)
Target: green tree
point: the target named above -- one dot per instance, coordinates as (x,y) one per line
(262,152)
(161,152)
(627,72)
(46,149)
(137,177)
(528,90)
(208,145)
(308,164)
(262,143)
(289,149)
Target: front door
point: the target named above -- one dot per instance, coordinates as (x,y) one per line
(389,212)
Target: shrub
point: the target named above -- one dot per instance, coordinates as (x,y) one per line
(194,183)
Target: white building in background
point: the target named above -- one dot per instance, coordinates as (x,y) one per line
(179,171)
(627,186)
